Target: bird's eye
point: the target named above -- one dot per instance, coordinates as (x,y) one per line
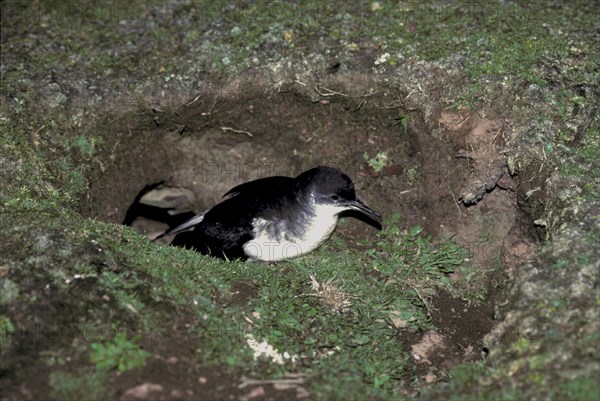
(335,197)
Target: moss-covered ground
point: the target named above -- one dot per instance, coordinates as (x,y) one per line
(90,309)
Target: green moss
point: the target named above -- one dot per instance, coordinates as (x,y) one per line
(466,375)
(87,384)
(583,388)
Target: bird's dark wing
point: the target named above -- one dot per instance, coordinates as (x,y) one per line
(260,186)
(194,221)
(249,191)
(223,230)
(216,243)
(226,227)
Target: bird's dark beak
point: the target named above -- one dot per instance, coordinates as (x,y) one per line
(364,210)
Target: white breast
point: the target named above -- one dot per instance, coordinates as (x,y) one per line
(272,243)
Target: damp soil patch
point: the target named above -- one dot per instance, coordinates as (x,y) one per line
(438,174)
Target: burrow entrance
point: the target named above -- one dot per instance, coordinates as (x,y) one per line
(439,168)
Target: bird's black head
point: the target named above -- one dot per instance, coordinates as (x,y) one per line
(331,188)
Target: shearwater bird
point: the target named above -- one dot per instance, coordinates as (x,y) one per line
(275,218)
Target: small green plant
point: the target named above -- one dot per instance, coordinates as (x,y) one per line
(403,120)
(378,162)
(6,325)
(54,358)
(86,146)
(521,345)
(119,353)
(6,328)
(409,250)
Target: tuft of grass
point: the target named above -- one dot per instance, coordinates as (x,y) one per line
(414,260)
